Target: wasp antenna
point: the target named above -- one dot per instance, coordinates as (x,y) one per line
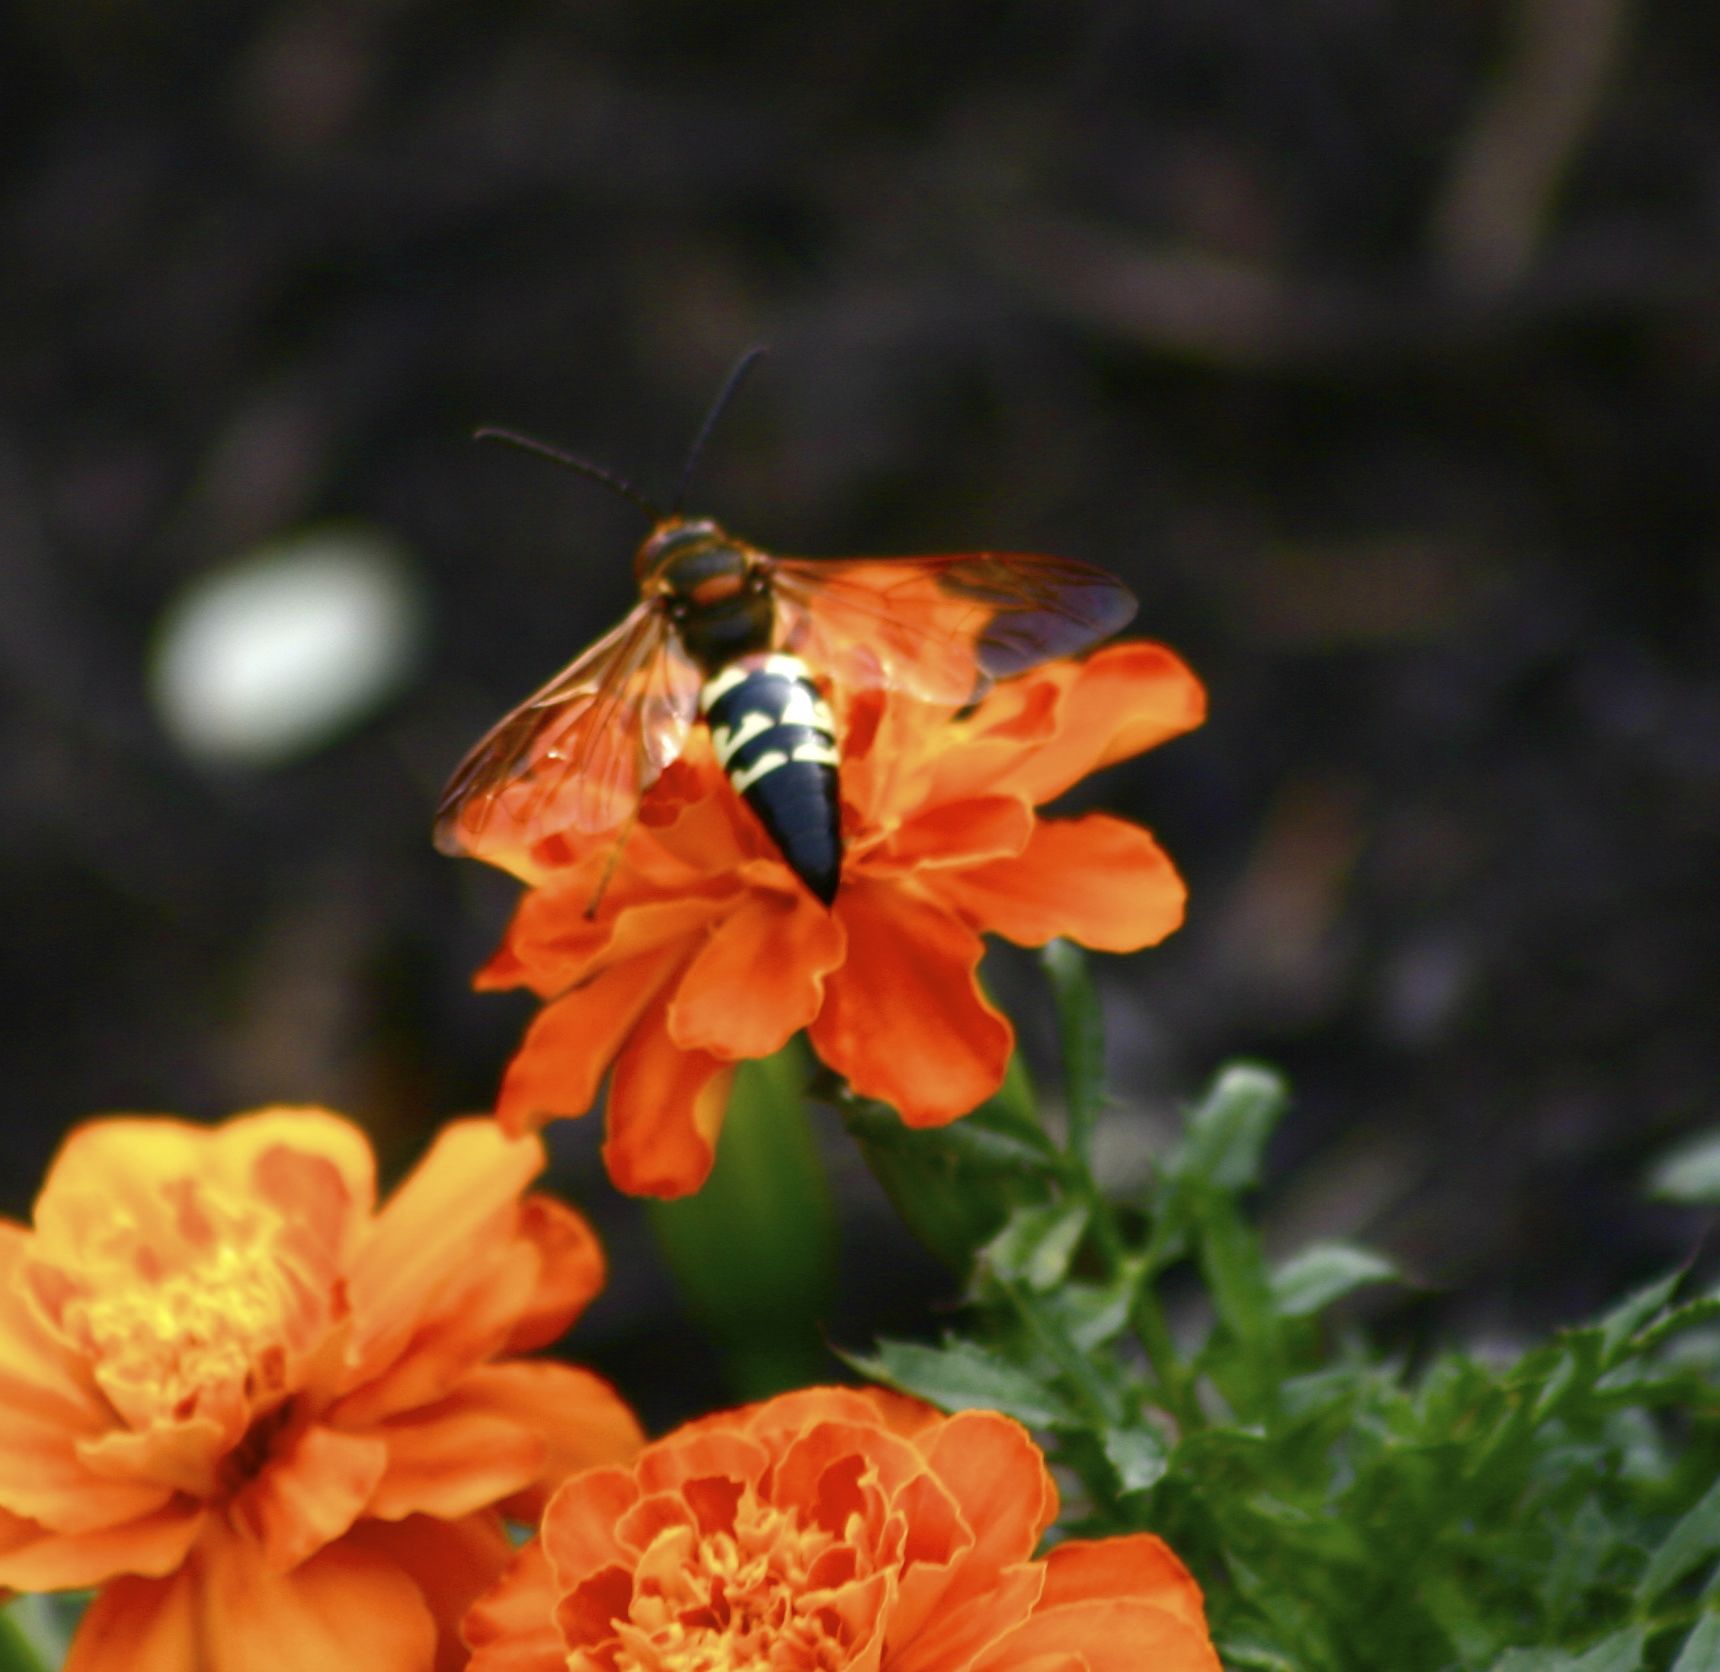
(609,478)
(731,386)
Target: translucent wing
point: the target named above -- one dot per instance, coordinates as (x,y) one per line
(579,753)
(942,628)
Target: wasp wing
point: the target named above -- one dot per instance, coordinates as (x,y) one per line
(580,752)
(942,628)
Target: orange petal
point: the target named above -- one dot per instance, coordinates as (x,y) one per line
(578,1532)
(991,1467)
(1120,701)
(449,1208)
(903,1019)
(1136,1565)
(512,1626)
(1097,880)
(960,1630)
(47,1476)
(966,832)
(572,1040)
(571,1271)
(759,977)
(312,1489)
(39,1373)
(1109,1635)
(665,1110)
(344,1607)
(452,1459)
(451,1562)
(138,1625)
(33,1558)
(579,1418)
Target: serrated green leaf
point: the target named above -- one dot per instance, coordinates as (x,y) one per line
(1620,1652)
(962,1376)
(1701,1650)
(1081,1032)
(1139,1455)
(1692,1540)
(1036,1244)
(1625,1319)
(1093,1313)
(1321,1273)
(1227,1130)
(1690,1172)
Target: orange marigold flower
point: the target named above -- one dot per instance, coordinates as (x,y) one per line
(706,950)
(832,1529)
(275,1427)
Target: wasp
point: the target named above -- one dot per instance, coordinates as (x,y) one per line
(748,644)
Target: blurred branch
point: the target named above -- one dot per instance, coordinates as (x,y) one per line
(1510,164)
(1190,305)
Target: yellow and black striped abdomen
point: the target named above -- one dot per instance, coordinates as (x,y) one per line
(774,737)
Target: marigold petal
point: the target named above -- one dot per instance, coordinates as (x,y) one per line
(1134,1565)
(998,1477)
(167,1458)
(454,1203)
(1097,880)
(138,1625)
(35,1558)
(344,1607)
(451,1562)
(1122,700)
(45,1475)
(666,1108)
(903,1019)
(120,1164)
(512,1627)
(960,833)
(315,1485)
(578,1417)
(571,1270)
(1112,1634)
(960,1630)
(452,1459)
(572,1041)
(758,979)
(708,1452)
(578,1531)
(38,1374)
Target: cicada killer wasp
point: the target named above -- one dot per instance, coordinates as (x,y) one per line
(749,644)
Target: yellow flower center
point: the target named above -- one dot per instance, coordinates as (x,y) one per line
(741,1602)
(173,1323)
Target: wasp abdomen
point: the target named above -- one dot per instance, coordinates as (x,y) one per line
(775,738)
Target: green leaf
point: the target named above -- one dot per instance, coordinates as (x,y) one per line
(1701,1651)
(1625,1319)
(1081,1029)
(16,1651)
(1693,1540)
(1139,1455)
(753,1253)
(1690,1172)
(1620,1652)
(1227,1130)
(963,1376)
(1036,1244)
(1317,1276)
(955,1185)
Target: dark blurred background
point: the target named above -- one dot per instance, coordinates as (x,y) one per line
(1375,344)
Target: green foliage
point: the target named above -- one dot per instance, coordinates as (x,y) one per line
(1551,1512)
(754,1252)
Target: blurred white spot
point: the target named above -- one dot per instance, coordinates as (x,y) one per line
(271,656)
